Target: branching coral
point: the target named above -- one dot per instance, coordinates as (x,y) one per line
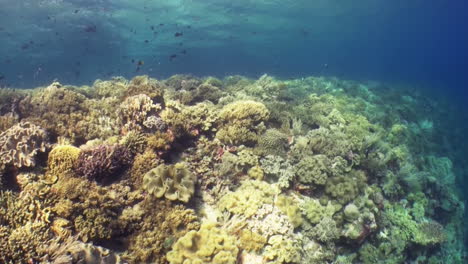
(174,182)
(103,162)
(190,120)
(135,110)
(20,144)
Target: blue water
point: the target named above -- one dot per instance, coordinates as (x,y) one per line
(419,42)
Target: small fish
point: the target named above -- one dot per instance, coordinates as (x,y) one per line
(2,77)
(189,26)
(76,11)
(25,46)
(133,60)
(173,56)
(183,52)
(152,27)
(178,34)
(146,41)
(90,28)
(161,24)
(140,63)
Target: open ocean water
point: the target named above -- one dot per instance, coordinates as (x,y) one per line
(248,131)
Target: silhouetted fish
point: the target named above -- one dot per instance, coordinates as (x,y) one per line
(90,28)
(173,56)
(178,34)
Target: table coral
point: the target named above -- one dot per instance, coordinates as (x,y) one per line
(174,182)
(20,144)
(207,245)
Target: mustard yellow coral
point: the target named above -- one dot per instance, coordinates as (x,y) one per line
(61,160)
(242,122)
(208,245)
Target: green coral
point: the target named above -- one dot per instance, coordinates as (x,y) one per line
(314,211)
(242,122)
(313,169)
(288,206)
(207,245)
(281,249)
(346,187)
(174,182)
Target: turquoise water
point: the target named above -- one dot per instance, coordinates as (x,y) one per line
(292,131)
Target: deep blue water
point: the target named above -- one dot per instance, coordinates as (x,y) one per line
(417,42)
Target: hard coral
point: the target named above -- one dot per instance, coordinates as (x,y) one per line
(103,162)
(174,182)
(61,160)
(242,122)
(135,110)
(20,144)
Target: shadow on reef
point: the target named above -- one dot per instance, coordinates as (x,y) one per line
(203,170)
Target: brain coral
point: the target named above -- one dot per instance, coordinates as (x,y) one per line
(174,182)
(207,245)
(20,144)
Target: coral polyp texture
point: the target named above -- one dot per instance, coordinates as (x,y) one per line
(234,170)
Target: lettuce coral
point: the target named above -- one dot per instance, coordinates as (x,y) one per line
(20,144)
(207,245)
(174,182)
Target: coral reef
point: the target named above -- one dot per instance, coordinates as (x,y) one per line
(203,170)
